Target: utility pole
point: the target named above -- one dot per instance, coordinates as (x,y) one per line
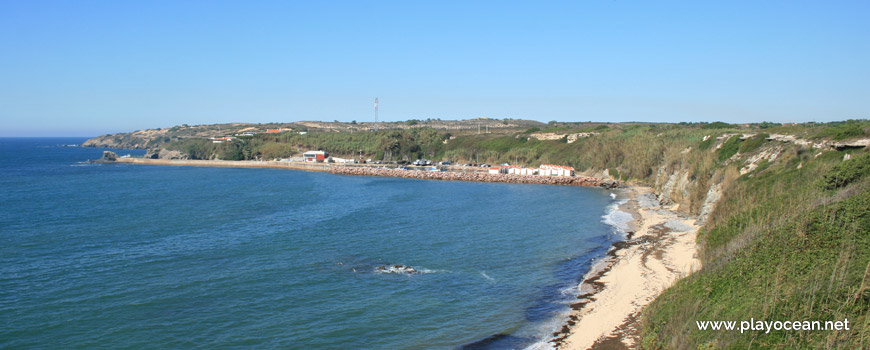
(376,114)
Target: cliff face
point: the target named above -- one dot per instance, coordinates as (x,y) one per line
(151,138)
(116,141)
(785,220)
(158,153)
(697,193)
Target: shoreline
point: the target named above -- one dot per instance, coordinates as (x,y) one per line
(477,176)
(585,181)
(659,249)
(220,163)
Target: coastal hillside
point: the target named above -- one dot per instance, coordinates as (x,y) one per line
(788,240)
(785,208)
(155,138)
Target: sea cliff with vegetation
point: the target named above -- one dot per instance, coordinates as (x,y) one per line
(784,209)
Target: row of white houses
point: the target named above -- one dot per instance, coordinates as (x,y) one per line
(544,170)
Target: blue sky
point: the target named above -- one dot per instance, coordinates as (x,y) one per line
(91,67)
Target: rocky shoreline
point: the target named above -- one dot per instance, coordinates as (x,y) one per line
(587,181)
(476,177)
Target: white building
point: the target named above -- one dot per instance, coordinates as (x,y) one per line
(515,170)
(556,170)
(342,160)
(315,156)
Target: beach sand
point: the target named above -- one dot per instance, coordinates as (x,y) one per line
(661,250)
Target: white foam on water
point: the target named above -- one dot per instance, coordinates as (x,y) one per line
(620,220)
(617,218)
(543,344)
(482,273)
(569,291)
(544,330)
(390,269)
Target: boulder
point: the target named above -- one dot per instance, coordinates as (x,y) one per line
(152,153)
(109,156)
(167,154)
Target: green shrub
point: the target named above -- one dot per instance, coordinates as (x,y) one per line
(846,172)
(844,130)
(717,125)
(753,143)
(705,144)
(729,148)
(614,173)
(768,125)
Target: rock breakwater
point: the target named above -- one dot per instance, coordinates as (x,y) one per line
(477,177)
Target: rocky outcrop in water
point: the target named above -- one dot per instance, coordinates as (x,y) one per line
(108,156)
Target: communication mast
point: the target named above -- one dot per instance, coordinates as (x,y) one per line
(376,114)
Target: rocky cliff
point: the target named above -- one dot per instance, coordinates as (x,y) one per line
(679,182)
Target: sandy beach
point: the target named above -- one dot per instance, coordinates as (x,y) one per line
(660,249)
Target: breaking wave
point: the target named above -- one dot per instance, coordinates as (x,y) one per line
(619,219)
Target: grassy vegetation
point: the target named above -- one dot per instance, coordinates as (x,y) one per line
(729,148)
(753,143)
(705,144)
(792,243)
(847,172)
(718,125)
(843,130)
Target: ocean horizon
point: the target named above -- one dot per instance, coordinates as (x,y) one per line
(134,256)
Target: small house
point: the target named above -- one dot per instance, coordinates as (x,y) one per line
(556,170)
(315,156)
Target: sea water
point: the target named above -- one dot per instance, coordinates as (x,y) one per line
(155,257)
